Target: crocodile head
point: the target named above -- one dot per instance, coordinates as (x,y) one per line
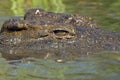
(54,35)
(27,30)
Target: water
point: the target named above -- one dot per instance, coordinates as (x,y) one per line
(105,66)
(102,67)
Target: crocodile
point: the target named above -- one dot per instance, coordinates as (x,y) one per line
(56,36)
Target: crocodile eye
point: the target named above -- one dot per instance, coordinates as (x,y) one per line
(60,32)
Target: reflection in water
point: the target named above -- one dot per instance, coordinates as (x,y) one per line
(18,6)
(88,67)
(115,8)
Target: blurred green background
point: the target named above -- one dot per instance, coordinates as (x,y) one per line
(105,12)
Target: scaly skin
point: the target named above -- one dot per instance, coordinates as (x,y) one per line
(54,36)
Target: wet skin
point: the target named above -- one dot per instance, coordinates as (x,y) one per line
(54,36)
